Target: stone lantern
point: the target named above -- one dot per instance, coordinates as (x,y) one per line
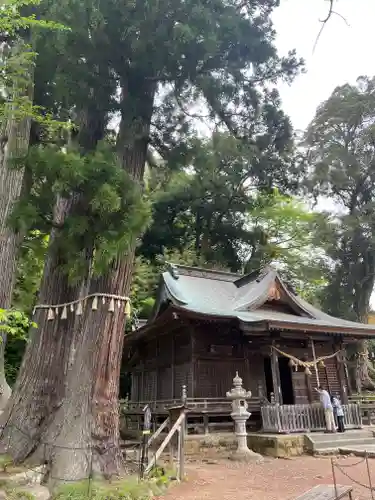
(240,415)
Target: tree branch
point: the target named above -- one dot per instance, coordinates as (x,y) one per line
(331,13)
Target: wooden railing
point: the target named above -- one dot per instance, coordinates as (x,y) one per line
(199,405)
(200,411)
(177,428)
(367,406)
(304,418)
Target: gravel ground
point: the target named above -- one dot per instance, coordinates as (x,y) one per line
(275,479)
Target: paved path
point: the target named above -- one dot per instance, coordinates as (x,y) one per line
(276,479)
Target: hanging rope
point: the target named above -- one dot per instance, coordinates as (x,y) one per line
(77,305)
(306,364)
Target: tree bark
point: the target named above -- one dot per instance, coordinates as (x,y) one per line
(41,384)
(14,143)
(89,417)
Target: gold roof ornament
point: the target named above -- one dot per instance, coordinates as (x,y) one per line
(274,293)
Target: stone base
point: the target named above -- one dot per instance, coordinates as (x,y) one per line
(248,456)
(271,445)
(277,445)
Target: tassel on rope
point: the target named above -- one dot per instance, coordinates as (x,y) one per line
(94,306)
(79,310)
(128,308)
(308,371)
(77,306)
(64,314)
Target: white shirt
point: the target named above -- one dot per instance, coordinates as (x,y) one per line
(338,407)
(325,399)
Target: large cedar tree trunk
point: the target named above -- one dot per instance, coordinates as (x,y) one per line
(14,142)
(89,416)
(41,383)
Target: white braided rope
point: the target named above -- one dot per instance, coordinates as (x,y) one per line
(83,299)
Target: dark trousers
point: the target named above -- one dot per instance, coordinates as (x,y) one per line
(340,424)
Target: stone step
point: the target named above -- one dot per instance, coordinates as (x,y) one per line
(322,437)
(359,451)
(326,451)
(343,443)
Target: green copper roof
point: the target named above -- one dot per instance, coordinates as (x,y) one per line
(216,293)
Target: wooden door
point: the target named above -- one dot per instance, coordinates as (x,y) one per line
(300,388)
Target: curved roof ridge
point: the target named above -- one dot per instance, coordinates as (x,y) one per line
(258,292)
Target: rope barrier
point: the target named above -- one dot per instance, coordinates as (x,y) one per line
(91,295)
(53,309)
(306,364)
(350,465)
(354,480)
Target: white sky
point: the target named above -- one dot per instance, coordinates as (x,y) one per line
(343,52)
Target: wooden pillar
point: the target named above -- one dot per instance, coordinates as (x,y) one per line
(340,365)
(311,342)
(310,396)
(173,376)
(141,395)
(329,389)
(192,389)
(275,375)
(156,395)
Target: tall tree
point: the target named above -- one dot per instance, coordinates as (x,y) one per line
(18,31)
(205,206)
(341,160)
(287,235)
(214,52)
(55,202)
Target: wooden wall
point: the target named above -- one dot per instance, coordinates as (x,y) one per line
(163,367)
(206,356)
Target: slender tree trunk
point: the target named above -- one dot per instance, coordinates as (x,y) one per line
(14,142)
(89,417)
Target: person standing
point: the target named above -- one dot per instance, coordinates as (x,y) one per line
(325,400)
(339,412)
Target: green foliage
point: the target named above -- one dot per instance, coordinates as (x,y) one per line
(341,158)
(5,462)
(107,218)
(19,494)
(128,489)
(29,270)
(15,325)
(288,238)
(17,58)
(204,207)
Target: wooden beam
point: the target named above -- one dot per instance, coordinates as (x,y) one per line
(275,375)
(341,374)
(166,441)
(173,375)
(192,361)
(312,345)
